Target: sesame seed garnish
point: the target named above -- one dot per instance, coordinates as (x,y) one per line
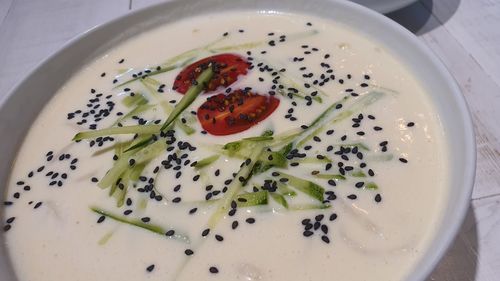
(403,160)
(250,220)
(188,252)
(378,198)
(150,268)
(213,270)
(101,219)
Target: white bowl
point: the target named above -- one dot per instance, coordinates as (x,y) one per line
(22,105)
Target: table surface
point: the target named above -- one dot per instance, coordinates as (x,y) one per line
(464,34)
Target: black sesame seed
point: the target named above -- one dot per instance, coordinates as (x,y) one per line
(188,252)
(333,217)
(250,220)
(150,268)
(352,196)
(101,219)
(7,227)
(205,232)
(325,239)
(234,224)
(219,238)
(193,210)
(145,219)
(403,160)
(171,232)
(378,198)
(410,124)
(213,270)
(307,233)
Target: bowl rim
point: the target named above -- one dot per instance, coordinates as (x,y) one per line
(462,205)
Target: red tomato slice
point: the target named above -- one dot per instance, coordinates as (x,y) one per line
(227,69)
(230,114)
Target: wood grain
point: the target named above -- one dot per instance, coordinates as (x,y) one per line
(31,30)
(464,34)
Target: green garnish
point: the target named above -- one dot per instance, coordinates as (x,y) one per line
(371,185)
(206,161)
(280,199)
(190,96)
(307,187)
(136,129)
(330,176)
(138,223)
(251,199)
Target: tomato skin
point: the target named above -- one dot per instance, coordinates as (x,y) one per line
(227,68)
(236,112)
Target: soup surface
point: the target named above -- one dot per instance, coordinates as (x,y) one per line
(244,146)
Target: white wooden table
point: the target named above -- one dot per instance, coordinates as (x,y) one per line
(464,34)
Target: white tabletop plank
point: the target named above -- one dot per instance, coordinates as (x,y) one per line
(476,24)
(31,30)
(4,9)
(481,92)
(463,34)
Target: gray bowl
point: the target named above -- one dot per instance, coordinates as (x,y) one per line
(23,104)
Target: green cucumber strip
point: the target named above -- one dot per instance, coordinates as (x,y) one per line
(136,171)
(307,137)
(152,91)
(150,152)
(313,160)
(280,199)
(186,100)
(307,187)
(104,239)
(113,188)
(330,176)
(234,188)
(304,207)
(190,96)
(358,174)
(269,159)
(250,199)
(117,170)
(122,194)
(260,138)
(136,99)
(371,185)
(250,45)
(292,84)
(138,223)
(283,189)
(137,110)
(188,130)
(355,107)
(136,129)
(380,157)
(206,161)
(163,69)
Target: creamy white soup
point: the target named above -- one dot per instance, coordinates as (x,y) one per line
(237,146)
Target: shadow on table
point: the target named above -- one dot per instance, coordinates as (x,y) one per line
(418,17)
(460,262)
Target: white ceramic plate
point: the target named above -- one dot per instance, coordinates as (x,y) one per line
(385,6)
(22,105)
